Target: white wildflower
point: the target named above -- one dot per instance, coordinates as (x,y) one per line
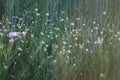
(104,12)
(62,20)
(41,33)
(94,22)
(37,14)
(36,9)
(47,14)
(72,24)
(42,42)
(101,75)
(64,42)
(20,49)
(84,24)
(77,19)
(5,67)
(68,51)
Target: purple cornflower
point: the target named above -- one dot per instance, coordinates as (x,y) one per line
(1,30)
(49,71)
(14,17)
(90,50)
(87,35)
(13,34)
(48,20)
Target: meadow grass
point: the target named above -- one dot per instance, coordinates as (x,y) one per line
(60,40)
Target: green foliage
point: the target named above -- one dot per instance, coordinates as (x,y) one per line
(60,40)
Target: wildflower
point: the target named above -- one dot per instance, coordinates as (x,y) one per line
(101,32)
(23,33)
(87,35)
(101,75)
(84,24)
(13,34)
(91,50)
(32,35)
(50,32)
(14,17)
(52,38)
(38,14)
(47,14)
(104,12)
(39,66)
(88,41)
(72,24)
(68,57)
(20,49)
(41,33)
(118,32)
(48,20)
(66,18)
(94,22)
(54,61)
(36,9)
(68,51)
(74,64)
(48,36)
(1,30)
(64,42)
(49,71)
(19,54)
(81,46)
(96,28)
(45,49)
(76,38)
(62,20)
(78,19)
(5,67)
(1,46)
(62,12)
(99,40)
(91,30)
(56,36)
(33,22)
(70,46)
(86,49)
(42,42)
(14,62)
(46,45)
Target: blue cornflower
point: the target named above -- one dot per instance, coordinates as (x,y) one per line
(90,50)
(48,20)
(14,17)
(87,35)
(49,71)
(1,30)
(13,34)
